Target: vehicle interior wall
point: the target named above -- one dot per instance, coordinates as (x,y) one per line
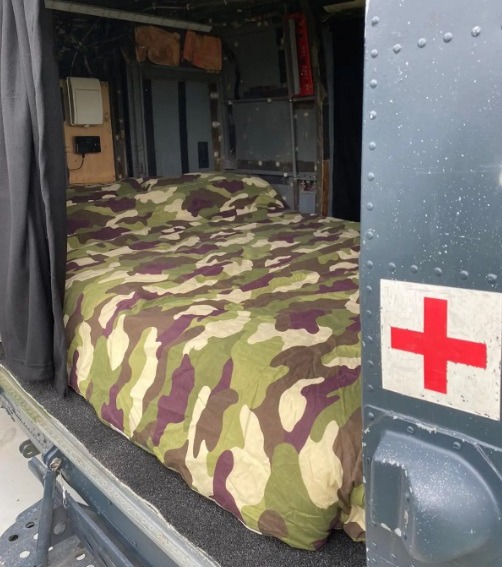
(273,132)
(167,120)
(93,167)
(104,49)
(94,47)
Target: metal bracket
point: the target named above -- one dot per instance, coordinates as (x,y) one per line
(28,449)
(19,543)
(141,531)
(46,526)
(59,522)
(61,517)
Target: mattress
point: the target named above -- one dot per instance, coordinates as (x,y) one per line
(220,332)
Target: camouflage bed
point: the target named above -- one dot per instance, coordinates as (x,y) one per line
(220,332)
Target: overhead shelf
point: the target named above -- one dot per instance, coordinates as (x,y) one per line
(270,99)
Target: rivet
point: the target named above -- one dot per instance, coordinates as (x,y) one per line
(371,416)
(371,176)
(369,313)
(373,83)
(370,363)
(369,206)
(369,289)
(392,267)
(422,42)
(374,53)
(438,272)
(369,264)
(375,20)
(476,30)
(491,278)
(369,339)
(464,274)
(397,48)
(447,37)
(374,545)
(369,234)
(370,388)
(457,445)
(372,145)
(393,556)
(373,115)
(413,269)
(410,429)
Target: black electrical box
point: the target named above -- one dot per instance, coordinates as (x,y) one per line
(87,144)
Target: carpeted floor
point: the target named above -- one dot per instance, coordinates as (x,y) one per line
(207,525)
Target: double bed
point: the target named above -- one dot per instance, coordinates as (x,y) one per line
(220,332)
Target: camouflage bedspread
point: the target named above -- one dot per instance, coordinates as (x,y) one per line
(220,332)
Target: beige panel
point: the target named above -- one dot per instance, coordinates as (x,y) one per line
(96,168)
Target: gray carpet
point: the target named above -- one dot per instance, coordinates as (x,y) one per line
(207,525)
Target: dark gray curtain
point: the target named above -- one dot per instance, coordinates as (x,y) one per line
(32,196)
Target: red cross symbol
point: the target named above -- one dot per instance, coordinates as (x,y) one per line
(436,347)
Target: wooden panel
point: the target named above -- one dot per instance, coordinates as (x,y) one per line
(96,168)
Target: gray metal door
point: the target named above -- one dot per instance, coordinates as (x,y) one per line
(430,282)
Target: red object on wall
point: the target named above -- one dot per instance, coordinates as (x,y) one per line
(306,83)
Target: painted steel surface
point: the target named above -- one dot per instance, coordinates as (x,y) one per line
(430,282)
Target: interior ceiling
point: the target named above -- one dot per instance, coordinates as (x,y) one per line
(219,10)
(90,46)
(197,10)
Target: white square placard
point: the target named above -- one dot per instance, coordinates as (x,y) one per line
(442,345)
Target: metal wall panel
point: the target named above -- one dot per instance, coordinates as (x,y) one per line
(257,59)
(139,154)
(432,233)
(285,190)
(198,123)
(263,131)
(306,135)
(166,127)
(306,202)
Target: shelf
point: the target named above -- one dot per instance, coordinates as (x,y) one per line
(300,176)
(275,173)
(270,99)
